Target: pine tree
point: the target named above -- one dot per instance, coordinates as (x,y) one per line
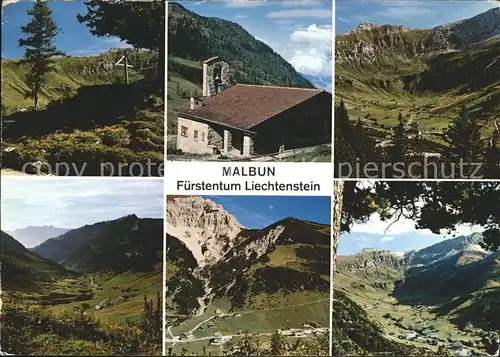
(465,139)
(278,344)
(491,164)
(40,49)
(399,149)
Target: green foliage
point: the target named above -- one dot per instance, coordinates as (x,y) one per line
(198,38)
(353,333)
(126,129)
(278,344)
(492,159)
(115,19)
(406,74)
(151,321)
(352,144)
(445,205)
(39,43)
(464,138)
(30,329)
(88,248)
(115,136)
(23,269)
(398,151)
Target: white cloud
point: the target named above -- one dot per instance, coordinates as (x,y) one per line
(375,225)
(363,239)
(245,3)
(8,2)
(301,3)
(258,3)
(386,239)
(295,13)
(313,35)
(495,2)
(284,22)
(343,20)
(70,203)
(240,17)
(404,10)
(313,55)
(404,225)
(101,46)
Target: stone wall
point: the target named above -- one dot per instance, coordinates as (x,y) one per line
(215,138)
(217,75)
(188,143)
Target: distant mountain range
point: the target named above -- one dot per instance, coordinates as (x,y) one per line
(322,82)
(32,236)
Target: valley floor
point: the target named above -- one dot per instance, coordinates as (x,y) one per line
(378,110)
(107,304)
(215,329)
(416,325)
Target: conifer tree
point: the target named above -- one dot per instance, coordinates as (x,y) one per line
(491,164)
(39,47)
(278,345)
(464,137)
(398,151)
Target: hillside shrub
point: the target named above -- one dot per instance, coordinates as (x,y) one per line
(115,136)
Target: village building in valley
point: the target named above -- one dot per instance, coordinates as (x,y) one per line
(244,120)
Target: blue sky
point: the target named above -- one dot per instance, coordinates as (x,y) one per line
(74,38)
(299,30)
(261,211)
(414,14)
(74,202)
(401,236)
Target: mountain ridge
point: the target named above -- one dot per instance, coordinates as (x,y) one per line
(23,269)
(210,37)
(244,268)
(447,276)
(86,248)
(426,75)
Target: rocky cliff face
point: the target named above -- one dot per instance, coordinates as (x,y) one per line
(445,249)
(369,42)
(205,227)
(461,34)
(374,262)
(221,247)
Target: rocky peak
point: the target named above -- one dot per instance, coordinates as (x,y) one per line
(387,29)
(371,260)
(445,249)
(370,41)
(461,34)
(206,228)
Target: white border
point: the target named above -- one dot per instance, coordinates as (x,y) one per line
(164,197)
(332,270)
